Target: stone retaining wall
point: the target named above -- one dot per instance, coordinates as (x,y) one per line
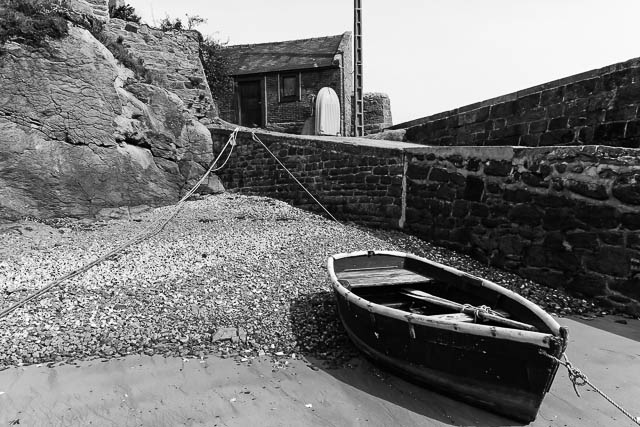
(359,182)
(563,216)
(595,107)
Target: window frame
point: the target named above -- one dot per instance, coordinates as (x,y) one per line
(288,98)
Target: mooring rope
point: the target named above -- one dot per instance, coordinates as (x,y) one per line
(150,231)
(578,379)
(256,139)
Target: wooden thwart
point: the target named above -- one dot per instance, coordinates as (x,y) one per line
(382,277)
(456,317)
(468,310)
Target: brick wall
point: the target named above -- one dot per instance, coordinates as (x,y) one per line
(596,107)
(377,112)
(172,61)
(563,216)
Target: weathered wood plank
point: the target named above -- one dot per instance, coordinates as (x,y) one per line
(381,277)
(414,293)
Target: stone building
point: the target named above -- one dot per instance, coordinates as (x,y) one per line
(275,83)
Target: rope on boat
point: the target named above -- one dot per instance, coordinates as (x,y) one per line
(256,139)
(477,310)
(578,379)
(150,231)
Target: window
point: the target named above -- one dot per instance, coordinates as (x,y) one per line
(289,87)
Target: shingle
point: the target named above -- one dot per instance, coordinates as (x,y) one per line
(282,56)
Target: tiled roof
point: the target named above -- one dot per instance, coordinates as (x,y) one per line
(283,56)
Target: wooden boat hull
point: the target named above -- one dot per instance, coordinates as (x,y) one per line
(496,368)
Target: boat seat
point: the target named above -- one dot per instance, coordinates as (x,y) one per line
(381,277)
(456,317)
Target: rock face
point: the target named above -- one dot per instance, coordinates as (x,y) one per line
(78,134)
(171,60)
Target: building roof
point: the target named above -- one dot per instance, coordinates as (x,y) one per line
(282,56)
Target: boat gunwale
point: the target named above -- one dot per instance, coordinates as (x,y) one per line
(537,338)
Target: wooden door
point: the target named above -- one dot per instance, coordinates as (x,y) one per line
(250,103)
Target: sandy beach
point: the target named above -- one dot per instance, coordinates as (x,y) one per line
(137,340)
(159,391)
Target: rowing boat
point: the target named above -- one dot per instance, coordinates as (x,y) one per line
(449,330)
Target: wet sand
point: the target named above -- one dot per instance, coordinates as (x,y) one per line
(157,391)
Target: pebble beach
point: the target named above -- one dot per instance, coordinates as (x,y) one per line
(232,276)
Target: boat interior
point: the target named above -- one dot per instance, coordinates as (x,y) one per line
(424,289)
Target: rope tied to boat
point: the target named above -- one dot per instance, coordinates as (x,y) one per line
(476,310)
(578,379)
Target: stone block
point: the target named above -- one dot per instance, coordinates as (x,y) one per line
(415,171)
(504,109)
(609,132)
(528,102)
(583,240)
(598,216)
(555,110)
(498,167)
(531,140)
(557,137)
(588,284)
(474,188)
(478,209)
(552,96)
(581,89)
(633,241)
(559,219)
(439,174)
(511,244)
(611,260)
(628,94)
(593,190)
(535,256)
(626,188)
(525,213)
(630,220)
(585,135)
(621,113)
(517,195)
(533,180)
(459,209)
(558,123)
(538,126)
(630,287)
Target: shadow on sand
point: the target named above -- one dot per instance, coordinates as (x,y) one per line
(326,345)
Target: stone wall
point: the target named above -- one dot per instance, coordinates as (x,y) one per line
(172,61)
(563,216)
(595,107)
(100,9)
(377,112)
(359,182)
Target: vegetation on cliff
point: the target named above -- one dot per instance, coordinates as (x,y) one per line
(215,62)
(125,12)
(30,22)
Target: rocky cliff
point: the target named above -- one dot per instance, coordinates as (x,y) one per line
(80,134)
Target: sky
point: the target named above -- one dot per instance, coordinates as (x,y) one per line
(431,56)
